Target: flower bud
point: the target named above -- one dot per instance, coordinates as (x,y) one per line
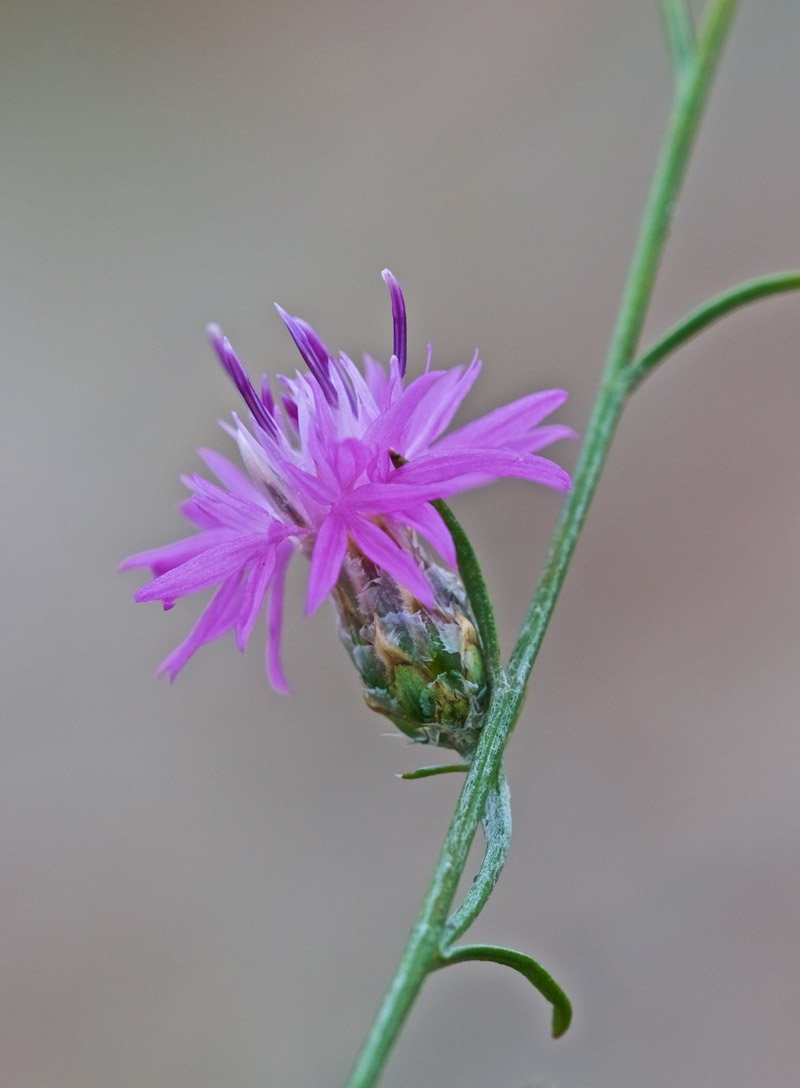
(422,667)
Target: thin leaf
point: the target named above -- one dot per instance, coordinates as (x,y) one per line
(529,968)
(497,832)
(429,772)
(706,314)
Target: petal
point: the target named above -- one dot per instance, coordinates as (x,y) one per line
(275,620)
(376,379)
(253,598)
(508,422)
(381,549)
(449,466)
(439,405)
(199,517)
(229,508)
(350,458)
(212,565)
(308,487)
(435,476)
(173,555)
(544,436)
(368,408)
(326,560)
(218,617)
(232,477)
(429,523)
(390,424)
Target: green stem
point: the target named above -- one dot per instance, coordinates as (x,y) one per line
(707,314)
(424,949)
(690,98)
(422,953)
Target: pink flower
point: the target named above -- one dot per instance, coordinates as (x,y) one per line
(321,478)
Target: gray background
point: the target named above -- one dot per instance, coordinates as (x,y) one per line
(207,885)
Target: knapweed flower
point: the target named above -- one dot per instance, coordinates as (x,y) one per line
(343,467)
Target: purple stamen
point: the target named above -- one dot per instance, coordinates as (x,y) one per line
(399,318)
(313,351)
(234,369)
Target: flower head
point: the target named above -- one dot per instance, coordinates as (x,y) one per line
(322,478)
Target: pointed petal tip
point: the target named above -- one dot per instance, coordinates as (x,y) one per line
(312,603)
(166,667)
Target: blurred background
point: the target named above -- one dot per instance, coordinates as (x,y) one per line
(208,885)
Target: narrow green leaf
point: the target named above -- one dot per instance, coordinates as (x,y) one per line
(529,968)
(706,314)
(497,832)
(472,577)
(428,772)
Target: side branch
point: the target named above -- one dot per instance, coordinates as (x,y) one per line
(680,34)
(707,314)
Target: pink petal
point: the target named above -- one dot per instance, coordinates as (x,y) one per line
(173,555)
(545,436)
(350,458)
(275,620)
(429,523)
(232,477)
(381,549)
(506,423)
(439,405)
(376,379)
(229,509)
(389,426)
(435,476)
(308,486)
(326,560)
(255,588)
(199,517)
(449,466)
(218,617)
(203,570)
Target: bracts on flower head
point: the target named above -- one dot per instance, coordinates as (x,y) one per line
(422,667)
(342,467)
